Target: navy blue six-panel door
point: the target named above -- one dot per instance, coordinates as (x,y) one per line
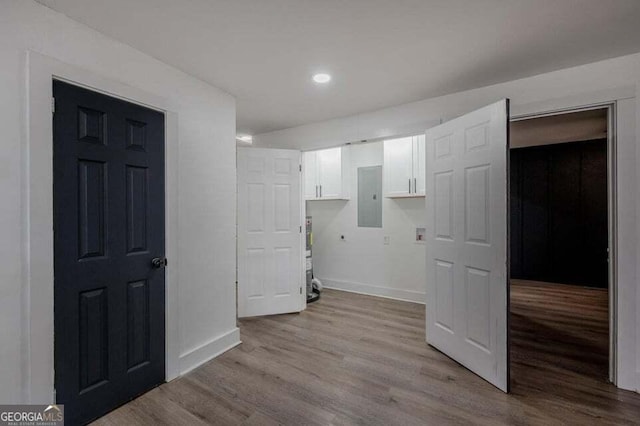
(108,188)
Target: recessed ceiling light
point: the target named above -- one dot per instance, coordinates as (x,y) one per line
(245,138)
(322,78)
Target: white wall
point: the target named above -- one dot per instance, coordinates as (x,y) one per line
(362,262)
(206,190)
(611,80)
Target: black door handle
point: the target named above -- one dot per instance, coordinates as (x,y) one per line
(159,262)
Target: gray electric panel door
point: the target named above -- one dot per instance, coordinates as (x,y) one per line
(370,197)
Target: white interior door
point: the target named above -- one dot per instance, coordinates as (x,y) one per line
(330,172)
(270,238)
(311,190)
(467,282)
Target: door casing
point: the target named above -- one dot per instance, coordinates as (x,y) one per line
(37,298)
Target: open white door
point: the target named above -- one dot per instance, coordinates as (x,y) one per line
(467,282)
(270,238)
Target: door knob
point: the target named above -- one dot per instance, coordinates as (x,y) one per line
(159,262)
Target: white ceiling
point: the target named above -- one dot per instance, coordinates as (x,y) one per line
(380,52)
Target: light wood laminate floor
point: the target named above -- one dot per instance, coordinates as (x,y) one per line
(354,359)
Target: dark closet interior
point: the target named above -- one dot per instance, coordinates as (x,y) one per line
(559,215)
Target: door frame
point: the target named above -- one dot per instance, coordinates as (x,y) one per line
(37,206)
(612,212)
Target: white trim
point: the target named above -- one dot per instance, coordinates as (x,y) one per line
(612,218)
(636,122)
(636,130)
(627,245)
(38,330)
(203,353)
(372,290)
(571,103)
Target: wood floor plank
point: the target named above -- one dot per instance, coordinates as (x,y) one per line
(355,359)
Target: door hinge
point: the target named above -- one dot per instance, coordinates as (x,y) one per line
(301,229)
(300,290)
(300,167)
(53,105)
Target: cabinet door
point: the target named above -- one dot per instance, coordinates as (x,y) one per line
(310,175)
(330,172)
(398,167)
(419,159)
(270,244)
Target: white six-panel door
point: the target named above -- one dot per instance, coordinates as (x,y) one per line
(270,238)
(466,241)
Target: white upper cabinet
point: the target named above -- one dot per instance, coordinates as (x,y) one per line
(404,167)
(326,174)
(419,165)
(310,164)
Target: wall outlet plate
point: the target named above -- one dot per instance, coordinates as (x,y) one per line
(386,240)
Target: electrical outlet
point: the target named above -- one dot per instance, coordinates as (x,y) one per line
(386,240)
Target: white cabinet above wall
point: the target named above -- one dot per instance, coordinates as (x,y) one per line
(404,167)
(327,174)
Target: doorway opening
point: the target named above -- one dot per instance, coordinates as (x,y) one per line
(561,276)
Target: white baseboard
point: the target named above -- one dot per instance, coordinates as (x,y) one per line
(203,353)
(372,290)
